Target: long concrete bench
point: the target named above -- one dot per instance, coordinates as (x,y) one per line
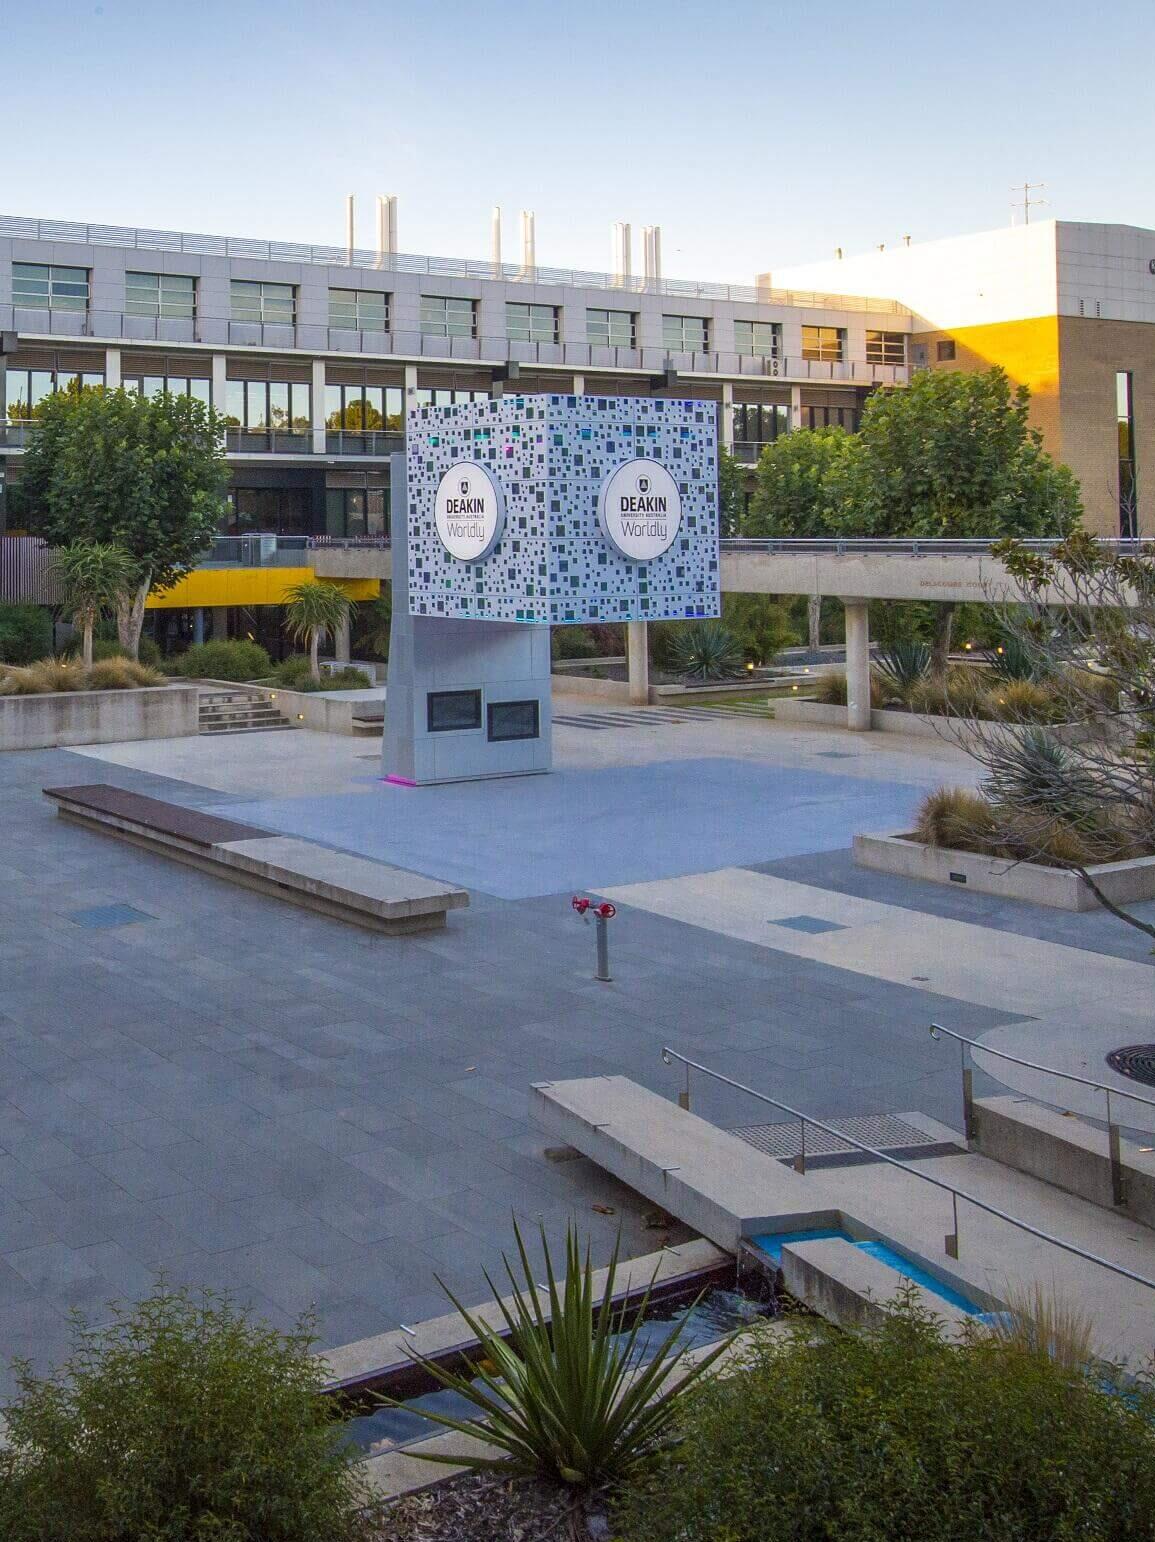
(348,888)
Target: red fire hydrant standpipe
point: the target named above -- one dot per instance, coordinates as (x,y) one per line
(602,913)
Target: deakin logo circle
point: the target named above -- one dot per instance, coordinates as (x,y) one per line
(640,510)
(469,511)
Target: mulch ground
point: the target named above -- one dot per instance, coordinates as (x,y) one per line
(486,1508)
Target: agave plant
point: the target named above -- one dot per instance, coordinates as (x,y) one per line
(706,650)
(1014,659)
(902,665)
(565,1395)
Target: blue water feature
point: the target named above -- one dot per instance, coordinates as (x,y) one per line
(772,1243)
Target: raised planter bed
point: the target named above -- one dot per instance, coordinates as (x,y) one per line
(64,718)
(892,720)
(900,853)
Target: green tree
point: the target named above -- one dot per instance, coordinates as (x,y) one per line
(760,625)
(372,623)
(92,577)
(952,456)
(311,611)
(731,494)
(25,633)
(804,482)
(146,474)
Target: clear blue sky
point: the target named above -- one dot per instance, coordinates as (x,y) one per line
(755,133)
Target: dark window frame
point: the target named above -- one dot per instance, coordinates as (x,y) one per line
(500,738)
(451,728)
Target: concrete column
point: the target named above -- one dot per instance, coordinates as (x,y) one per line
(579,385)
(220,382)
(112,375)
(638,662)
(342,644)
(198,626)
(727,415)
(857,664)
(795,407)
(318,407)
(220,616)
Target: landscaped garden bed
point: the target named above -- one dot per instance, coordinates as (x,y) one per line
(58,702)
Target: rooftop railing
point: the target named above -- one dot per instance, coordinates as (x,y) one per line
(31,229)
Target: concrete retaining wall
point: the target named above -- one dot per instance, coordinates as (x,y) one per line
(889,720)
(97,717)
(324,714)
(1064,1152)
(899,853)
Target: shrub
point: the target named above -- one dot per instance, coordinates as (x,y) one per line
(957,819)
(107,648)
(1024,701)
(761,626)
(25,633)
(178,1421)
(706,650)
(900,1434)
(60,674)
(348,679)
(573,642)
(239,660)
(564,1395)
(831,691)
(293,672)
(119,674)
(961,694)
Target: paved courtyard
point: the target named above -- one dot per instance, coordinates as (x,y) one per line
(205,1081)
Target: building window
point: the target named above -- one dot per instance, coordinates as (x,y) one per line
(254,300)
(824,344)
(532,323)
(175,385)
(39,286)
(168,295)
(27,388)
(513,720)
(759,423)
(685,334)
(365,408)
(265,404)
(831,417)
(944,350)
(359,310)
(612,329)
(447,316)
(886,347)
(355,511)
(451,711)
(442,396)
(271,510)
(759,339)
(1125,418)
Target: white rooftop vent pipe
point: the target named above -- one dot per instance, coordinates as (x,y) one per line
(528,244)
(622,254)
(652,258)
(495,240)
(386,228)
(349,224)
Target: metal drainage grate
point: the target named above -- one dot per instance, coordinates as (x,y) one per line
(99,916)
(1136,1061)
(883,1131)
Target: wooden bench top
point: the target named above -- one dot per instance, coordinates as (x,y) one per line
(187,824)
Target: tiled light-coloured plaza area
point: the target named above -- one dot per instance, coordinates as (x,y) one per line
(205,1081)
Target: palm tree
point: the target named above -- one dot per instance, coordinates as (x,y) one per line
(92,577)
(312,610)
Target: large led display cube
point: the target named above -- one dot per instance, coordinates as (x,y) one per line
(555,509)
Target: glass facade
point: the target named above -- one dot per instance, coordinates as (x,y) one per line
(363,408)
(448,316)
(270,510)
(168,295)
(759,422)
(26,388)
(254,300)
(532,323)
(612,329)
(762,339)
(1125,425)
(175,385)
(265,404)
(685,334)
(41,286)
(823,344)
(359,310)
(886,347)
(831,417)
(352,512)
(439,396)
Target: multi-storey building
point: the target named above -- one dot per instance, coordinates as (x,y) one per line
(313,355)
(1067,309)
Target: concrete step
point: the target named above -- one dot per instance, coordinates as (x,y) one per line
(254,728)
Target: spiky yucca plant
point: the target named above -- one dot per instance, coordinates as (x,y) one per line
(566,1397)
(706,650)
(902,665)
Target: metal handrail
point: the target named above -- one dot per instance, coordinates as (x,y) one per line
(1114,1153)
(952,1238)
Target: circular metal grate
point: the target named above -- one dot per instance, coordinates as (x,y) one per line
(1136,1061)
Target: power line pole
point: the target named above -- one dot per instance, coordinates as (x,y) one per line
(1027,203)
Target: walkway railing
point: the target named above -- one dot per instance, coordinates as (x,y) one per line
(896,546)
(1118,1186)
(951,1246)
